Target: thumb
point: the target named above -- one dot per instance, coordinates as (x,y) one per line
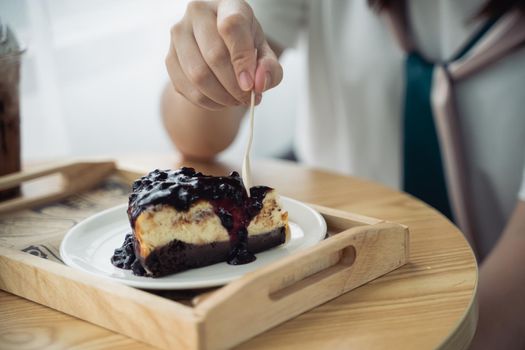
(269,72)
(236,26)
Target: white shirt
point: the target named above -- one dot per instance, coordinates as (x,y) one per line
(350,114)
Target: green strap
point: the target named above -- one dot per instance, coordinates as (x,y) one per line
(424,176)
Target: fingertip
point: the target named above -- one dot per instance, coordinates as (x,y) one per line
(268,74)
(277,74)
(245,81)
(262,80)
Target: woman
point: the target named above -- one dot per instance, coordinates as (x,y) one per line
(427,96)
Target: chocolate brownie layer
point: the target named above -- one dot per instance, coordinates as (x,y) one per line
(178,256)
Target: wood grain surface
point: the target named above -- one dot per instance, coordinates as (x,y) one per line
(426,304)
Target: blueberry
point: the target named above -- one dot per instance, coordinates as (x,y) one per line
(187,171)
(136,185)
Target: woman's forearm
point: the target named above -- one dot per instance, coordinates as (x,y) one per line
(501,292)
(196,132)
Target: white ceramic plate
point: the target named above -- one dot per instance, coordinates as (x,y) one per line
(89,246)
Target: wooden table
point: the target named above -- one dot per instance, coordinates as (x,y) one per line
(428,303)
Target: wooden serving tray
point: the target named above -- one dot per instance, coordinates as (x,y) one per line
(357,250)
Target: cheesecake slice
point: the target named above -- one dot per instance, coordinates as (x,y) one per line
(182,219)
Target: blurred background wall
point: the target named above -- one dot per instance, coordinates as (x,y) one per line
(93,75)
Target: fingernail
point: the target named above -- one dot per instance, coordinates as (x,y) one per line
(267,81)
(258,98)
(245,81)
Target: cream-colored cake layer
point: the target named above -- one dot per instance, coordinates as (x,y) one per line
(161,224)
(270,217)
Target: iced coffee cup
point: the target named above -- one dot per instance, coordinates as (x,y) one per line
(10,59)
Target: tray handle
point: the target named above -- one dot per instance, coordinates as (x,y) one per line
(284,289)
(72,177)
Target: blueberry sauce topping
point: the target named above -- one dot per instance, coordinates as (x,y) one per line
(183,187)
(125,258)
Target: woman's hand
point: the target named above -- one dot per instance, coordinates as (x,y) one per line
(211,60)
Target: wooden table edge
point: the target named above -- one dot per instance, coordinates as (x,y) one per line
(468,323)
(466,326)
